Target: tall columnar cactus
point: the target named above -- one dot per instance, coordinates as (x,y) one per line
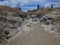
(38,6)
(51,6)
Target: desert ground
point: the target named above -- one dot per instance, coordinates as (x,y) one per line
(36,37)
(34,27)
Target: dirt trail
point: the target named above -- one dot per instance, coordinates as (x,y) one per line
(36,37)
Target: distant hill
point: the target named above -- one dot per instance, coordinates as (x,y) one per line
(4,10)
(42,11)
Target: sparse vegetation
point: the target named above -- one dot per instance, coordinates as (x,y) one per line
(11,19)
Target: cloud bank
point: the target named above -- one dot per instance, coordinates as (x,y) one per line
(25,4)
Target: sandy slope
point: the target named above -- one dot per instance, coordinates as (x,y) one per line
(36,37)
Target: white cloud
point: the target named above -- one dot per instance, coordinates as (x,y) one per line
(47,5)
(24,2)
(13,3)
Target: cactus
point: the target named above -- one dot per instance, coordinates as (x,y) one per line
(38,6)
(51,6)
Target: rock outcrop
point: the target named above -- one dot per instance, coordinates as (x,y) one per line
(51,23)
(12,19)
(10,22)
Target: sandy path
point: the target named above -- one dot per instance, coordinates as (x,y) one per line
(36,37)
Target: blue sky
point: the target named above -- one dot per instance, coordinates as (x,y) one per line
(29,4)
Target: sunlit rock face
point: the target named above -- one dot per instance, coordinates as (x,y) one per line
(51,23)
(30,23)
